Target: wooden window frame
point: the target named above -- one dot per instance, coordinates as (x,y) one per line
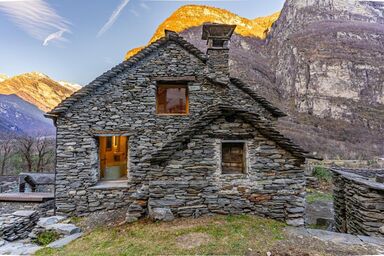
(170,86)
(245,156)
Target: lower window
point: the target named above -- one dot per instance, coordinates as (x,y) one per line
(113,155)
(233,158)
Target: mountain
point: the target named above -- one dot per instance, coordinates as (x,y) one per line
(37,89)
(320,61)
(19,116)
(3,77)
(196,15)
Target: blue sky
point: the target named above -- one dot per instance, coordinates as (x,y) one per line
(72,40)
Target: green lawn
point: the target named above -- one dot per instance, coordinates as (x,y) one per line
(318,196)
(234,235)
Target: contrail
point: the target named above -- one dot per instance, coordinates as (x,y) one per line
(113,18)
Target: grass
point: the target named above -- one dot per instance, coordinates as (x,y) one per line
(322,174)
(234,235)
(47,237)
(318,196)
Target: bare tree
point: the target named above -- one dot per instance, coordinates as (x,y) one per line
(44,152)
(6,150)
(26,148)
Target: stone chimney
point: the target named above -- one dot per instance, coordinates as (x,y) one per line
(217,37)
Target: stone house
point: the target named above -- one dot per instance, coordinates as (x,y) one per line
(170,133)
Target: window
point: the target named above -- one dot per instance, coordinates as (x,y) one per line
(172,99)
(233,158)
(113,156)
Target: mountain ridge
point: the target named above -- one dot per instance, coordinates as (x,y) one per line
(189,16)
(37,89)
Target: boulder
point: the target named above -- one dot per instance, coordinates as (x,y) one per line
(44,222)
(162,214)
(65,229)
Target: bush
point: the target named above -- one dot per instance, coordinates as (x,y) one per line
(322,174)
(46,237)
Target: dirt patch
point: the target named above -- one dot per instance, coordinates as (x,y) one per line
(192,240)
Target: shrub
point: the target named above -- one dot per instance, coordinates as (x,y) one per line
(322,174)
(47,237)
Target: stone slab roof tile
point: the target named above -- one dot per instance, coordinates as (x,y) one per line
(261,100)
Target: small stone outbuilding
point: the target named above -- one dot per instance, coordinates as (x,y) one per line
(170,133)
(359,201)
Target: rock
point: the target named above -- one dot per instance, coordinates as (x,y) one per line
(23,213)
(2,242)
(18,248)
(295,222)
(130,218)
(162,214)
(65,229)
(64,241)
(43,222)
(381,230)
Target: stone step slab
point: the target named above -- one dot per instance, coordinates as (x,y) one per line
(65,229)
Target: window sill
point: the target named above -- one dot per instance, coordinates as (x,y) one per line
(113,184)
(172,114)
(235,175)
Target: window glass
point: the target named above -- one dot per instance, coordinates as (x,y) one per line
(172,99)
(113,157)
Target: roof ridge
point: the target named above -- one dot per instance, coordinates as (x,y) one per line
(260,99)
(64,105)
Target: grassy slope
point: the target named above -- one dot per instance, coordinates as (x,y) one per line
(234,235)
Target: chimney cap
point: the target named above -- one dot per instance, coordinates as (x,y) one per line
(217,31)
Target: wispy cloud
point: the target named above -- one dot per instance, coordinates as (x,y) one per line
(37,18)
(55,36)
(113,17)
(134,12)
(144,6)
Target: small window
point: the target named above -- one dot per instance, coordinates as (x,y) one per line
(233,158)
(172,99)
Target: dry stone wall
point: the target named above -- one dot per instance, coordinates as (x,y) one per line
(17,225)
(358,202)
(191,182)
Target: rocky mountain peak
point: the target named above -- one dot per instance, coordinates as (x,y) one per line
(190,16)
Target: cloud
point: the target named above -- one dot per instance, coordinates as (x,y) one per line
(134,12)
(55,36)
(144,6)
(36,17)
(113,17)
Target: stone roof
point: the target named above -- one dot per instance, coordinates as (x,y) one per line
(265,127)
(261,100)
(363,177)
(107,76)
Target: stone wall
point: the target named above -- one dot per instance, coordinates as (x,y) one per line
(43,208)
(17,225)
(191,182)
(358,202)
(127,104)
(9,184)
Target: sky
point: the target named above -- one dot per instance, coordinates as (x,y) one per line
(78,40)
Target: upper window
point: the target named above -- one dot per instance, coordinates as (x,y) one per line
(233,158)
(172,99)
